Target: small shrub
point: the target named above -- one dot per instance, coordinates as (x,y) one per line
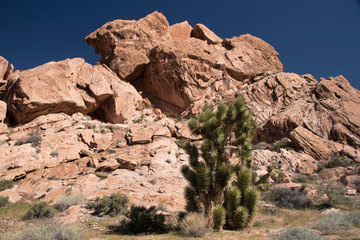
(353,218)
(46,230)
(101,174)
(296,233)
(333,223)
(116,204)
(3,201)
(40,210)
(338,160)
(282,143)
(33,138)
(142,220)
(54,153)
(67,201)
(287,198)
(194,225)
(299,178)
(336,195)
(6,184)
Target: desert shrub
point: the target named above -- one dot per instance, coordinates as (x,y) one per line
(333,223)
(336,195)
(282,143)
(299,178)
(33,138)
(6,184)
(261,146)
(353,218)
(296,233)
(288,198)
(67,201)
(338,160)
(46,230)
(116,204)
(39,210)
(194,225)
(3,201)
(142,220)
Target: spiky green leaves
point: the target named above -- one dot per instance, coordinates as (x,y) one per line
(251,197)
(240,217)
(225,130)
(191,202)
(219,214)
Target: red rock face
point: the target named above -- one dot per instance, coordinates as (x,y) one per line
(123,44)
(134,145)
(70,86)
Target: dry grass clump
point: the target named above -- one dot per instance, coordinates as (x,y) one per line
(46,230)
(194,225)
(67,201)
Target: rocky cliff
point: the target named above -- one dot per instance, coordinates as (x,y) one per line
(95,130)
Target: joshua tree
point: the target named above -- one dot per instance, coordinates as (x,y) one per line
(225,130)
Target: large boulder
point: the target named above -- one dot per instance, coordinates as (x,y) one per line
(174,70)
(180,30)
(183,71)
(70,86)
(123,44)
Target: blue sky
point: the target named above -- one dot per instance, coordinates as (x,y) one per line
(321,37)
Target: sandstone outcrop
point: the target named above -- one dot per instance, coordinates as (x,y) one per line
(87,130)
(175,70)
(70,86)
(180,30)
(124,44)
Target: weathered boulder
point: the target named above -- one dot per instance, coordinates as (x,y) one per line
(183,71)
(203,33)
(70,86)
(123,44)
(2,111)
(180,30)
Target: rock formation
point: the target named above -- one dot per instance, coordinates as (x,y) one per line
(70,86)
(97,130)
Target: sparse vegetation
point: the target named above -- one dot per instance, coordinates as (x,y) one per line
(335,195)
(194,225)
(54,153)
(67,201)
(296,233)
(39,210)
(33,138)
(333,223)
(3,201)
(116,204)
(288,198)
(46,230)
(6,184)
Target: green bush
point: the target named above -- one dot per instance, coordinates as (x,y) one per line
(67,201)
(194,225)
(46,230)
(3,201)
(116,204)
(288,198)
(336,195)
(6,184)
(40,210)
(353,218)
(296,233)
(338,160)
(142,220)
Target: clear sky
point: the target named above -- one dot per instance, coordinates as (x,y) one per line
(321,37)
